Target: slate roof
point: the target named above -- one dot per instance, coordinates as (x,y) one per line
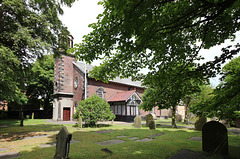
(121,96)
(126,81)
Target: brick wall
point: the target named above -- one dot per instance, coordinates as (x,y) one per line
(110,88)
(63,74)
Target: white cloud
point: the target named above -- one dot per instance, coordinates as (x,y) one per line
(79,16)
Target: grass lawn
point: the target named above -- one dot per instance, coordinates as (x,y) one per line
(162,146)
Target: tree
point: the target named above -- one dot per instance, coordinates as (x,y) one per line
(94,109)
(28,30)
(225,98)
(163,37)
(40,86)
(173,94)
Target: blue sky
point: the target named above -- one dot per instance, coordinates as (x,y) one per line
(84,12)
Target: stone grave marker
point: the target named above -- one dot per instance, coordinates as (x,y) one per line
(152,124)
(149,118)
(63,144)
(137,122)
(215,138)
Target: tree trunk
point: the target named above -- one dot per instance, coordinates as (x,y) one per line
(188,99)
(21,117)
(79,120)
(173,117)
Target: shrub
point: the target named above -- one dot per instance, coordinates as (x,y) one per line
(200,122)
(94,109)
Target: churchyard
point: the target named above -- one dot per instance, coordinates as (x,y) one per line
(118,140)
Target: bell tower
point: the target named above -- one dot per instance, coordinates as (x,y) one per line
(63,85)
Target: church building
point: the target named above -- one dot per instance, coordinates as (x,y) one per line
(72,84)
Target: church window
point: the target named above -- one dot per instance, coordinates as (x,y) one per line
(100,92)
(119,110)
(75,106)
(76,82)
(123,110)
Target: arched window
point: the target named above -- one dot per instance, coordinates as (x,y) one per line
(75,106)
(100,92)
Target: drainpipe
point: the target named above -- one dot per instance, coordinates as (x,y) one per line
(85,93)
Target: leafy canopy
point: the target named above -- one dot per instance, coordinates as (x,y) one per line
(29,28)
(225,98)
(40,84)
(94,109)
(164,37)
(131,35)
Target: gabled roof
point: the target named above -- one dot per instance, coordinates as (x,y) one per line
(126,81)
(123,96)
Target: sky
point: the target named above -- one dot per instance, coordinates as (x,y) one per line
(84,12)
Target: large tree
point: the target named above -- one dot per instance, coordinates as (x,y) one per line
(131,35)
(29,28)
(164,36)
(225,98)
(169,96)
(40,85)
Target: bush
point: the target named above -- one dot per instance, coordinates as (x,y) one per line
(200,122)
(94,109)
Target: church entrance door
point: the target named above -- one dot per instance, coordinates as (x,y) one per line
(66,114)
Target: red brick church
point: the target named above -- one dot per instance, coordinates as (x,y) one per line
(72,84)
(124,95)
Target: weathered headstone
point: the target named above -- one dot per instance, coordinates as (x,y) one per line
(215,138)
(200,121)
(137,122)
(152,124)
(63,144)
(149,118)
(178,118)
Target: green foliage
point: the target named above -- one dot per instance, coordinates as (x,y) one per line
(94,109)
(41,82)
(131,35)
(28,30)
(161,36)
(199,101)
(200,121)
(225,99)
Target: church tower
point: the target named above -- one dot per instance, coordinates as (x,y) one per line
(63,85)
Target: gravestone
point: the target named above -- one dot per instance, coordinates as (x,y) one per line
(149,118)
(152,124)
(178,118)
(63,144)
(215,138)
(200,121)
(137,122)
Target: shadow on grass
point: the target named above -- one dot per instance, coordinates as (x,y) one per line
(168,144)
(9,122)
(95,126)
(30,128)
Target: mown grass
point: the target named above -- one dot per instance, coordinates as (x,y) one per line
(30,125)
(172,141)
(16,122)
